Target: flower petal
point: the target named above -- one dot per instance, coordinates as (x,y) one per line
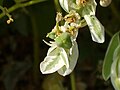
(50,50)
(96,28)
(51,64)
(56,59)
(64,5)
(72,60)
(90,8)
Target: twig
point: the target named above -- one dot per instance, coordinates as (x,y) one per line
(57,6)
(16,6)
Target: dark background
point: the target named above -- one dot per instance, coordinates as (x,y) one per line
(22,49)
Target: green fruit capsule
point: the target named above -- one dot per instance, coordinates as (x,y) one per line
(64,40)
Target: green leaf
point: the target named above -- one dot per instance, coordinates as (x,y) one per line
(64,40)
(115,69)
(116,53)
(109,56)
(51,35)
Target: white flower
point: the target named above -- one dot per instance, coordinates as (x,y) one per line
(58,59)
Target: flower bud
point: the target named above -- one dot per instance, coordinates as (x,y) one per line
(105,3)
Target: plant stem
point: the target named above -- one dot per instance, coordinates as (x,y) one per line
(16,6)
(57,6)
(72,77)
(36,49)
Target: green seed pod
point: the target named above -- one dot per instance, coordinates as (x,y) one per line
(105,3)
(64,40)
(51,35)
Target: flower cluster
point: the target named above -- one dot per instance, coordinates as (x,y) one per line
(63,52)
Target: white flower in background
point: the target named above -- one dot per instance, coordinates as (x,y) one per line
(63,54)
(86,9)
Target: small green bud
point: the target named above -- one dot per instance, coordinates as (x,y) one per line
(51,35)
(64,40)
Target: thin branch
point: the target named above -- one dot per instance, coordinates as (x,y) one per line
(57,6)
(72,78)
(16,6)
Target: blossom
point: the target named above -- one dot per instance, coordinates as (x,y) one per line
(60,60)
(63,52)
(86,9)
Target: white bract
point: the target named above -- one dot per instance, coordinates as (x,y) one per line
(96,28)
(53,63)
(72,57)
(55,59)
(58,59)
